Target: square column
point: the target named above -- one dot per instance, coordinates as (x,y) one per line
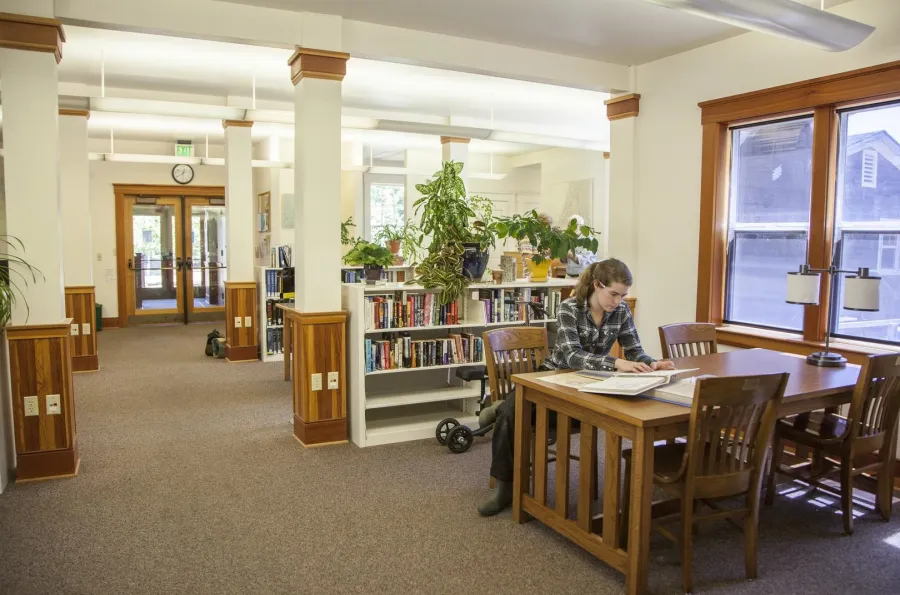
(455,148)
(622,112)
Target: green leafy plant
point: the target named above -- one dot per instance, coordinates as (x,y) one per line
(366,253)
(445,211)
(390,233)
(442,270)
(409,236)
(15,274)
(346,238)
(548,241)
(482,231)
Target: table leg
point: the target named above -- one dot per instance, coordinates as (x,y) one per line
(522,467)
(639,517)
(288,332)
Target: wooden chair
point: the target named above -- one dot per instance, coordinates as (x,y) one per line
(512,351)
(687,338)
(870,426)
(730,431)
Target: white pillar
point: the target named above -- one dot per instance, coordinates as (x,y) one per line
(457,149)
(31,151)
(239,204)
(317,76)
(74,190)
(622,113)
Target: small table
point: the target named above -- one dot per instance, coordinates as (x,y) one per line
(643,421)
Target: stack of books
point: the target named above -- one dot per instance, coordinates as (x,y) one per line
(274,340)
(413,310)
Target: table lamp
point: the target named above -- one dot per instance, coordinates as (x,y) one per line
(861,292)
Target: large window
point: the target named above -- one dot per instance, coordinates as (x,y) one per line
(867,216)
(385,203)
(768,221)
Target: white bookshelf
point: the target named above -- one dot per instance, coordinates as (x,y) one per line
(398,405)
(407,270)
(264,325)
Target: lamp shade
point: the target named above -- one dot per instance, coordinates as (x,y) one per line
(862,292)
(803,288)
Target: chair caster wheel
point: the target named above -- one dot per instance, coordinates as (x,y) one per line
(460,439)
(443,429)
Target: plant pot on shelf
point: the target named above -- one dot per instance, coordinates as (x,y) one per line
(474,261)
(393,246)
(373,273)
(497,276)
(538,271)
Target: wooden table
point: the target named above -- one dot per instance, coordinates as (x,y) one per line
(643,421)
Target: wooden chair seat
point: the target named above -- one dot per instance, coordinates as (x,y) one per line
(820,429)
(667,460)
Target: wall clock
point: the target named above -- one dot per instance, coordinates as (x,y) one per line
(183,173)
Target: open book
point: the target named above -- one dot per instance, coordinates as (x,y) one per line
(632,384)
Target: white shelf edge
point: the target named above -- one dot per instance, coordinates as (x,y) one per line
(452,326)
(522,284)
(441,367)
(448,393)
(419,428)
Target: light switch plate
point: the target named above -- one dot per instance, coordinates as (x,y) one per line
(74,328)
(53,406)
(316,382)
(31,407)
(332,381)
(237,322)
(86,328)
(248,321)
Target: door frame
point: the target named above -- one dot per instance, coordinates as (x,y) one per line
(122,251)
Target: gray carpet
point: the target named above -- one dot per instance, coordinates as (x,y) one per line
(191,482)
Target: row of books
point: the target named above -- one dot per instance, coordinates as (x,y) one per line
(359,276)
(274,341)
(275,315)
(401,352)
(280,283)
(499,304)
(414,309)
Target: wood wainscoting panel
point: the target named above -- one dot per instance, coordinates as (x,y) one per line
(40,362)
(241,343)
(320,347)
(80,307)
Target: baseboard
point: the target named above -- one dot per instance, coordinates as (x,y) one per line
(85,363)
(52,464)
(241,354)
(111,323)
(320,432)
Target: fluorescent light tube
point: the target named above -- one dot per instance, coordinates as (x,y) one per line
(784,18)
(486,176)
(139,158)
(165,108)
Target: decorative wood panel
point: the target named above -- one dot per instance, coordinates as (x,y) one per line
(22,32)
(320,347)
(80,307)
(40,360)
(617,350)
(318,64)
(241,343)
(624,106)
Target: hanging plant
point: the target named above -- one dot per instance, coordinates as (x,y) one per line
(441,270)
(15,274)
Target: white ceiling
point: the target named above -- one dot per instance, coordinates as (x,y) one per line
(215,73)
(619,31)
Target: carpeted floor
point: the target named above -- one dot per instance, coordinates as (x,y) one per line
(192,483)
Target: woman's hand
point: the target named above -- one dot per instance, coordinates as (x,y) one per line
(623,365)
(663,365)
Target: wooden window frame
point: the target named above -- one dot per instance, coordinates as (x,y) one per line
(822,97)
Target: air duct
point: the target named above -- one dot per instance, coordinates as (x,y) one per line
(784,18)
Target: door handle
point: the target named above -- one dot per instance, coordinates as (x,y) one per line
(130,267)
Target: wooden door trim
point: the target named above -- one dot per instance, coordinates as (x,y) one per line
(188,201)
(121,191)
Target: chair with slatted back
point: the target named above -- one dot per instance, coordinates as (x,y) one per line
(870,426)
(730,431)
(687,338)
(512,351)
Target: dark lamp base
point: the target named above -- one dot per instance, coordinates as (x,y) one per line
(826,360)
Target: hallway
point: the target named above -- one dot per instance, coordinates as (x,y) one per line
(192,483)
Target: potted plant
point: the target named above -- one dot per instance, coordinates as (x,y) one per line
(373,258)
(404,241)
(346,238)
(479,238)
(549,242)
(15,272)
(390,235)
(441,270)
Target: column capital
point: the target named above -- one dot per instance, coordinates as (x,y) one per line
(23,32)
(317,64)
(75,112)
(237,123)
(623,106)
(455,139)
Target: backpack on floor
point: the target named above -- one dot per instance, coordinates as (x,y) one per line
(210,338)
(219,347)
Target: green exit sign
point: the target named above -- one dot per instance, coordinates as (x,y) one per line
(184,150)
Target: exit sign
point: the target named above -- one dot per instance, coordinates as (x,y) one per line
(182,150)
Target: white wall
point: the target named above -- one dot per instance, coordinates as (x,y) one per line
(667,177)
(103,214)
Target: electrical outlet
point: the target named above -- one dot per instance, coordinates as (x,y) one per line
(99,257)
(74,329)
(248,321)
(53,407)
(237,322)
(332,381)
(31,406)
(316,382)
(86,328)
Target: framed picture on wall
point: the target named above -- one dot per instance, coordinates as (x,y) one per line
(287,211)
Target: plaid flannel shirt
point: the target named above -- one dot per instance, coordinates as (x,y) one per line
(582,344)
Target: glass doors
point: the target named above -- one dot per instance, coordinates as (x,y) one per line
(176,268)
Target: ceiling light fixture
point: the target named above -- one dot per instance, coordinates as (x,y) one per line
(784,18)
